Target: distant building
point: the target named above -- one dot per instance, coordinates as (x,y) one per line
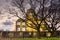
(20,25)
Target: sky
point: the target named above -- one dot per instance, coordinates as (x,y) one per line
(7,21)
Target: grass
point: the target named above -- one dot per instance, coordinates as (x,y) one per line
(29,39)
(37,39)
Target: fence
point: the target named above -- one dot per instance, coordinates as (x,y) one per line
(24,34)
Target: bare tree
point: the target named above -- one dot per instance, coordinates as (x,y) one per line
(42,9)
(54,16)
(39,14)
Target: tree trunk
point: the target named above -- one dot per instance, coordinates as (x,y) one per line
(38,33)
(53,33)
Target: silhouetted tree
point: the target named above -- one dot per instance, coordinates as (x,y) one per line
(54,16)
(42,9)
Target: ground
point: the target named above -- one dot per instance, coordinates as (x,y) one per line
(29,39)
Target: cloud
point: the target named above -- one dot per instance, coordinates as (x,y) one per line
(7,23)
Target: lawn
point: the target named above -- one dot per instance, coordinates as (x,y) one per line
(29,39)
(37,39)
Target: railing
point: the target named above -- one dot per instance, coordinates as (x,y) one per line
(19,34)
(23,34)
